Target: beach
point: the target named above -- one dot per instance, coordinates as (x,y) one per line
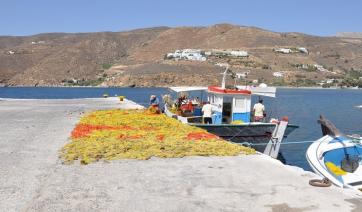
(33,178)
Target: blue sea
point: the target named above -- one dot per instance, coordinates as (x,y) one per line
(302,106)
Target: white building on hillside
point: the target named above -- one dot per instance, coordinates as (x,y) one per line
(330,81)
(190,54)
(285,51)
(319,67)
(277,74)
(302,49)
(239,53)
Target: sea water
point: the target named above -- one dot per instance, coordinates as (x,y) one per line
(302,106)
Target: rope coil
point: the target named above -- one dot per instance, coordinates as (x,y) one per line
(325,182)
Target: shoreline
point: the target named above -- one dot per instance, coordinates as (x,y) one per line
(34,179)
(283,87)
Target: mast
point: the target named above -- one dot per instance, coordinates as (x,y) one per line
(223,79)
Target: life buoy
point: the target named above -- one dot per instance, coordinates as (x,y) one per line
(320,183)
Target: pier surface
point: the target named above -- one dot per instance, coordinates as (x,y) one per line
(34,179)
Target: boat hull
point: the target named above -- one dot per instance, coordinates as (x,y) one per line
(256,134)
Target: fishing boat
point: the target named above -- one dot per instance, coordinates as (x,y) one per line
(337,157)
(233,119)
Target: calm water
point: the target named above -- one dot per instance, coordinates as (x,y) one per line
(302,106)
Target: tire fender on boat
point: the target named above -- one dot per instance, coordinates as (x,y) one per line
(320,183)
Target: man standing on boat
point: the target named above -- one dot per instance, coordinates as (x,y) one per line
(207,110)
(155,103)
(259,111)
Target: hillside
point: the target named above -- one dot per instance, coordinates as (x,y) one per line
(349,34)
(136,58)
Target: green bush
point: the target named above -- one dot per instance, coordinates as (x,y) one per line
(106,66)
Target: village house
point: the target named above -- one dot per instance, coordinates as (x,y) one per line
(277,74)
(189,54)
(285,51)
(239,53)
(302,49)
(330,81)
(319,67)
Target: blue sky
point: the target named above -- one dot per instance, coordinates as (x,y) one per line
(313,17)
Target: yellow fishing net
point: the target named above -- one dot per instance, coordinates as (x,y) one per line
(140,134)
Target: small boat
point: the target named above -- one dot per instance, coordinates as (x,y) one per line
(233,117)
(337,157)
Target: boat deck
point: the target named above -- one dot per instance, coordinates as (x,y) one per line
(354,179)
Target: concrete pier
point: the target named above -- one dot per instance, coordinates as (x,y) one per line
(33,178)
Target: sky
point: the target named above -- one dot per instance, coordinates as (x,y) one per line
(313,17)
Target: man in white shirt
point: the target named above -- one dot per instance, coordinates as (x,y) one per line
(259,111)
(207,110)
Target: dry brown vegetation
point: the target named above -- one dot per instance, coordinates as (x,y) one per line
(137,57)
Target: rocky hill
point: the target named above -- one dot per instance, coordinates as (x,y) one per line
(349,34)
(137,58)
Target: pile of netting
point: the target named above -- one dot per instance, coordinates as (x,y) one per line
(140,134)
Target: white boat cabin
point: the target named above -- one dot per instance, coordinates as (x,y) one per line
(229,105)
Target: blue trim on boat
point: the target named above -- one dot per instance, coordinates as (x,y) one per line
(217,117)
(335,156)
(338,139)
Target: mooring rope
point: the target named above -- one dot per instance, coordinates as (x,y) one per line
(355,140)
(239,132)
(291,142)
(247,144)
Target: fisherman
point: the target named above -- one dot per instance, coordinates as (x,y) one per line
(259,111)
(155,103)
(207,111)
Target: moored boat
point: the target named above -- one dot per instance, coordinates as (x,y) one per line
(233,117)
(337,157)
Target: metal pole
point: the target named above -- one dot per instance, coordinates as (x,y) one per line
(275,107)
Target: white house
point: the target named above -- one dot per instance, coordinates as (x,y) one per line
(190,54)
(239,53)
(285,51)
(302,49)
(208,53)
(277,74)
(330,81)
(319,67)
